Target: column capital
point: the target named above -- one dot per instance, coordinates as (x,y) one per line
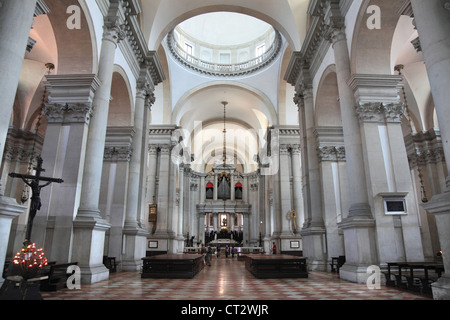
(68,113)
(334,22)
(114,28)
(380,112)
(153,149)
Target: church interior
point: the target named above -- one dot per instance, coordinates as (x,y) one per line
(313,132)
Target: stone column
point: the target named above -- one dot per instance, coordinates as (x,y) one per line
(432,19)
(68,112)
(89,227)
(215,221)
(9,210)
(232,189)
(313,230)
(285,191)
(163,193)
(16,19)
(380,111)
(180,221)
(359,225)
(193,197)
(201,227)
(297,186)
(134,233)
(202,188)
(152,172)
(113,199)
(216,187)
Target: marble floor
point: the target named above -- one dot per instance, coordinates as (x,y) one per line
(227,279)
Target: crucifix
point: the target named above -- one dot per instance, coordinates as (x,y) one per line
(34,183)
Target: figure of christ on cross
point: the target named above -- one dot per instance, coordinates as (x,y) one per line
(34,183)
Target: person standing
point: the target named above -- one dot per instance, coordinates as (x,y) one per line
(203,253)
(274,248)
(208,256)
(227,251)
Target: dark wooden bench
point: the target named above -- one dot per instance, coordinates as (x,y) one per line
(337,263)
(172,266)
(276,266)
(57,277)
(110,263)
(414,276)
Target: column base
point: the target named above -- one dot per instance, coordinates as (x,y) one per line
(9,209)
(360,248)
(357,273)
(88,247)
(441,288)
(135,246)
(93,274)
(314,248)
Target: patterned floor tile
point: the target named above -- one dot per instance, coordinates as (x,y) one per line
(229,280)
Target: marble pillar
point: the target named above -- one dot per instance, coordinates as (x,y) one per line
(285,192)
(16,20)
(313,231)
(89,226)
(380,112)
(135,234)
(358,225)
(432,19)
(68,112)
(162,228)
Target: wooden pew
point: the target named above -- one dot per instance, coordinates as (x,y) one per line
(414,276)
(172,266)
(276,266)
(56,277)
(110,263)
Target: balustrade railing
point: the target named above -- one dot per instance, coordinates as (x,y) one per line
(219,69)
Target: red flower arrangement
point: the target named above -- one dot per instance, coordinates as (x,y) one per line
(30,261)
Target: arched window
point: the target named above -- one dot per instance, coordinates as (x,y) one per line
(209,190)
(238,191)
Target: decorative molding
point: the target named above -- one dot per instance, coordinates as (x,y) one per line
(68,113)
(330,144)
(331,153)
(117,154)
(424,148)
(380,112)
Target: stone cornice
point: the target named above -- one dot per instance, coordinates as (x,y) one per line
(327,20)
(134,46)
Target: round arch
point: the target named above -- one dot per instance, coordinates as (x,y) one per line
(121,106)
(327,107)
(267,107)
(281,20)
